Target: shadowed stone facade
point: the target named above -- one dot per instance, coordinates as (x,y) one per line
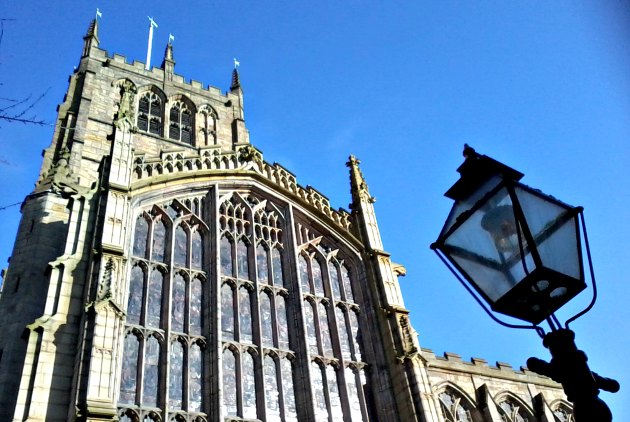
(163,271)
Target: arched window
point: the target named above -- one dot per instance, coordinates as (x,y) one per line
(129,375)
(512,411)
(324,330)
(242,260)
(290,409)
(354,383)
(227,312)
(176,374)
(271,390)
(151,372)
(162,364)
(181,123)
(309,320)
(276,268)
(454,409)
(262,264)
(249,386)
(347,284)
(245,315)
(178,303)
(159,240)
(334,281)
(266,323)
(196,255)
(563,413)
(134,302)
(304,278)
(140,237)
(207,130)
(180,249)
(342,327)
(319,397)
(226,257)
(150,113)
(229,383)
(281,319)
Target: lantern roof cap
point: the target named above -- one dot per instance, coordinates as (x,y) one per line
(475,171)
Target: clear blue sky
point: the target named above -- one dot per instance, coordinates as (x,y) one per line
(543,86)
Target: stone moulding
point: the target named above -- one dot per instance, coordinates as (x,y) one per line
(213,160)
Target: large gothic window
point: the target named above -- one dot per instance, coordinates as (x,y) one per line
(150,113)
(512,411)
(162,365)
(181,123)
(454,408)
(263,300)
(563,413)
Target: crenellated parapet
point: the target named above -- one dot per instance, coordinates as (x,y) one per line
(217,161)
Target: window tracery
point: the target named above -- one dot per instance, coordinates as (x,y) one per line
(208,130)
(512,411)
(150,113)
(164,341)
(181,123)
(563,413)
(454,408)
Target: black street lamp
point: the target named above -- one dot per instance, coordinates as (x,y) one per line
(520,251)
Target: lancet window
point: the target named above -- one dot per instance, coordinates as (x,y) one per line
(163,349)
(208,129)
(181,123)
(454,408)
(150,113)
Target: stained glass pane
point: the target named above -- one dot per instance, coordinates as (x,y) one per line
(140,237)
(241,260)
(324,330)
(309,317)
(271,390)
(261,262)
(290,411)
(129,376)
(159,240)
(276,267)
(226,257)
(245,315)
(249,387)
(176,372)
(344,341)
(229,383)
(178,303)
(319,399)
(196,303)
(281,320)
(318,283)
(353,395)
(333,393)
(134,303)
(354,326)
(197,251)
(154,305)
(180,251)
(345,277)
(265,320)
(334,281)
(195,375)
(227,312)
(150,379)
(304,275)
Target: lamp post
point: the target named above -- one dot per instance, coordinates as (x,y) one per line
(520,251)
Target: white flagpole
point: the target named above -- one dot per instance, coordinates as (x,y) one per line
(150,45)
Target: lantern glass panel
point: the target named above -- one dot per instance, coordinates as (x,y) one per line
(463,205)
(553,226)
(490,248)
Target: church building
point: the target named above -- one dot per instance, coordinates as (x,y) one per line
(164,271)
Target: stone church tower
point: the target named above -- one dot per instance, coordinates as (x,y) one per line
(163,271)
